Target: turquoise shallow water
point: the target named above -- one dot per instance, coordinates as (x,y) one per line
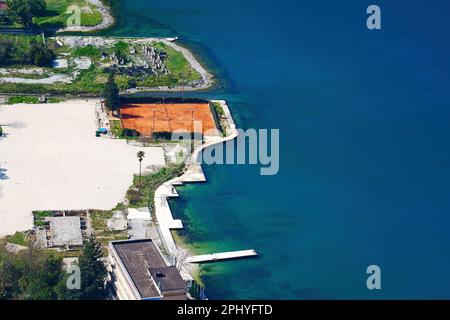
(364,124)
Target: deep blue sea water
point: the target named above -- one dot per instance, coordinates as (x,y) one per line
(364,119)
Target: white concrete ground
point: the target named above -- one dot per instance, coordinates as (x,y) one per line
(50,159)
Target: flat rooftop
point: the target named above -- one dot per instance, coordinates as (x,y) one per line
(146,268)
(167,278)
(65,231)
(147,118)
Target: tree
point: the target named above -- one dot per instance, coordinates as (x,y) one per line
(8,276)
(111,93)
(33,274)
(6,48)
(36,53)
(41,283)
(25,10)
(40,55)
(121,50)
(140,156)
(93,271)
(179,258)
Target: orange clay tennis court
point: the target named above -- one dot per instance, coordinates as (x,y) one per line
(161,117)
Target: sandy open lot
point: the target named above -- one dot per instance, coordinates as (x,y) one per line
(50,159)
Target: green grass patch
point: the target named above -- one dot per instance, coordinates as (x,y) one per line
(219,117)
(149,184)
(91,19)
(23,99)
(19,238)
(179,67)
(99,220)
(31,100)
(89,81)
(87,51)
(56,13)
(54,100)
(122,47)
(116,128)
(39,217)
(166,80)
(218,108)
(42,214)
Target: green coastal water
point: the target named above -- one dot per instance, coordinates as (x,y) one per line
(364,163)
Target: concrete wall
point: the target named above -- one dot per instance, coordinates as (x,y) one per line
(122,283)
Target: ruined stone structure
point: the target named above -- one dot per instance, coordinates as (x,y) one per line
(154,60)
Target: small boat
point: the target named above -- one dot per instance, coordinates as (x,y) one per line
(172,39)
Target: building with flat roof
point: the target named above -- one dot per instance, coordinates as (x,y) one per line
(141,273)
(60,232)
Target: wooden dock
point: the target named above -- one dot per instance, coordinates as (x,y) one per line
(222,256)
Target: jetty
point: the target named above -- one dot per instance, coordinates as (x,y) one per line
(222,256)
(193,173)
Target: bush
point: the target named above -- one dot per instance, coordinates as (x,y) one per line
(116,128)
(40,55)
(149,183)
(22,99)
(25,51)
(6,48)
(26,10)
(54,100)
(134,196)
(87,51)
(33,274)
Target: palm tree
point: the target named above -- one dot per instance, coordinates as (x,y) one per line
(140,156)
